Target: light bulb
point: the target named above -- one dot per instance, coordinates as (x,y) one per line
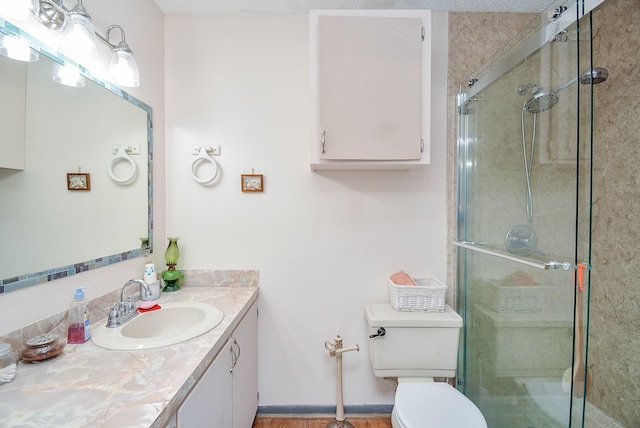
(16,9)
(123,69)
(78,37)
(68,75)
(18,48)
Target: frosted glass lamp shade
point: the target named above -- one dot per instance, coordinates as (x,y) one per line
(123,70)
(17,48)
(67,75)
(78,37)
(16,9)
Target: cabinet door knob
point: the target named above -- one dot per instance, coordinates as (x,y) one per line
(322,140)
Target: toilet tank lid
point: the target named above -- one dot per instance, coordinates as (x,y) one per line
(383,315)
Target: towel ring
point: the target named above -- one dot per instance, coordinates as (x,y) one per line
(203,157)
(122,156)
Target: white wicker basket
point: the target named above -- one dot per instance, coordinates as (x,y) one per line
(512,298)
(428,295)
(522,298)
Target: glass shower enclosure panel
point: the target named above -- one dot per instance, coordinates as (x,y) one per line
(524,148)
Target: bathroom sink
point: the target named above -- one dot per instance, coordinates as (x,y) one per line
(173,323)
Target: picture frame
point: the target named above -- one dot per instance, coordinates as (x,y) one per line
(252,182)
(78,181)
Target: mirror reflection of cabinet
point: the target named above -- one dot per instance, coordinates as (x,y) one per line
(12,113)
(370,74)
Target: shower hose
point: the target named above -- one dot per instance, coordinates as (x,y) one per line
(528,160)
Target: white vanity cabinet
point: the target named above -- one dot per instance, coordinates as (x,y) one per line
(371,78)
(171,423)
(244,344)
(227,393)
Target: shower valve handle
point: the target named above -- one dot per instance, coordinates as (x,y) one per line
(381,332)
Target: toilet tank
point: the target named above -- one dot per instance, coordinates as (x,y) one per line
(415,344)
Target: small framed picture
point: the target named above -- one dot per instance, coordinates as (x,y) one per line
(78,181)
(252,183)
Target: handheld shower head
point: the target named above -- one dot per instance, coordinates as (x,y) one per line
(542,101)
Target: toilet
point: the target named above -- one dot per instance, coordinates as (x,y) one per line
(415,348)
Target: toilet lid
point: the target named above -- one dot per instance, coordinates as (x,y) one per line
(435,405)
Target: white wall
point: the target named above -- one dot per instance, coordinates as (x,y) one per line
(324,242)
(144,26)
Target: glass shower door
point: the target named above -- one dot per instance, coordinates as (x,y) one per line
(524,172)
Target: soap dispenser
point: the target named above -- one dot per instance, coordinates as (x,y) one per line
(151,279)
(79,326)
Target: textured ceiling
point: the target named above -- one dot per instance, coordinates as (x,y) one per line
(213,7)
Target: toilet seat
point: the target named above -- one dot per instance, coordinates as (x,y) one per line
(434,405)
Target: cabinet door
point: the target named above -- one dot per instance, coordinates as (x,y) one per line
(370,87)
(245,371)
(209,404)
(12,113)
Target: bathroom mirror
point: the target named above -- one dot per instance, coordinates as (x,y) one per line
(63,210)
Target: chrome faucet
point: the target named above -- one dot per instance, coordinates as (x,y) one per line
(123,311)
(143,285)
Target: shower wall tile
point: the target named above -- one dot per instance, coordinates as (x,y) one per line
(474,38)
(614,325)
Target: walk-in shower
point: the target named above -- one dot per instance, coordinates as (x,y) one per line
(517,287)
(542,101)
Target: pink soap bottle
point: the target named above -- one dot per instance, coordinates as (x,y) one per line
(79,326)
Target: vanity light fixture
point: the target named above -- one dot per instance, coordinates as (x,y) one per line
(123,69)
(50,13)
(79,39)
(18,48)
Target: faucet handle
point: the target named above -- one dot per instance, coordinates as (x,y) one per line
(114,314)
(123,307)
(130,306)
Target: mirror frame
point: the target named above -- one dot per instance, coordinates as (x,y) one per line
(42,277)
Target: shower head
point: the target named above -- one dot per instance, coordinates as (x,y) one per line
(594,76)
(542,101)
(545,100)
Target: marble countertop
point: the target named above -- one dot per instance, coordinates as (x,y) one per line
(88,386)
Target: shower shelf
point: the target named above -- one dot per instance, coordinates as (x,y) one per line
(546,265)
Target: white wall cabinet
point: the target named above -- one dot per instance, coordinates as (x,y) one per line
(227,393)
(371,89)
(13,113)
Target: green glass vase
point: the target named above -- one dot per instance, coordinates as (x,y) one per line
(172,254)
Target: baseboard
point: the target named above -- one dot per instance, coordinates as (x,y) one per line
(304,410)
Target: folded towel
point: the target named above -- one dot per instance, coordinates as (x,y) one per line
(402,278)
(152,308)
